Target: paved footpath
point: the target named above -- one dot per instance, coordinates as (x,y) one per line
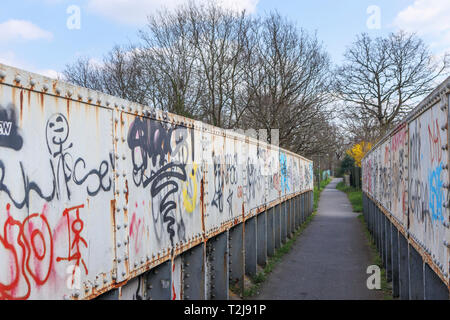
(329,259)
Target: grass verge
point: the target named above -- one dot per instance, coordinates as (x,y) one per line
(354,195)
(385,287)
(355,198)
(261,276)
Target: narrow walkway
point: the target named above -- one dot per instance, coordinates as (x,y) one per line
(329,259)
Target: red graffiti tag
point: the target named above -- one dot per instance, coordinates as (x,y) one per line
(136,232)
(34,237)
(74,231)
(435,142)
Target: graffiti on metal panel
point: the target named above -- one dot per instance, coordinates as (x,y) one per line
(219,179)
(75,226)
(63,171)
(9,135)
(160,153)
(28,246)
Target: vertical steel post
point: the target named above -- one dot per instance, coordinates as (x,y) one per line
(416,286)
(403,268)
(270,218)
(236,256)
(262,238)
(277,224)
(435,289)
(217,256)
(194,273)
(250,235)
(388,250)
(158,282)
(395,255)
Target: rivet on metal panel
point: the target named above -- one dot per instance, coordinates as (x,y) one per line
(118,243)
(123,274)
(58,91)
(2,74)
(17,79)
(445,147)
(32,82)
(45,87)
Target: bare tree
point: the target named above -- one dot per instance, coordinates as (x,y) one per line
(287,83)
(225,68)
(383,78)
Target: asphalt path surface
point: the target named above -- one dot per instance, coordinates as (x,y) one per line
(329,259)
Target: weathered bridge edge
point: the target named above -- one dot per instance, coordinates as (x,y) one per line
(83,214)
(406,199)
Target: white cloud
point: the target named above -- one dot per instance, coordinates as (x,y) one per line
(10,58)
(135,12)
(12,30)
(430,19)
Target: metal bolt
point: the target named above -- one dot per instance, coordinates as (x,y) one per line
(45,87)
(32,82)
(17,79)
(2,74)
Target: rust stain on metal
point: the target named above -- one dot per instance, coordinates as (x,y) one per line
(29,98)
(21,107)
(68,108)
(127,191)
(42,101)
(202,200)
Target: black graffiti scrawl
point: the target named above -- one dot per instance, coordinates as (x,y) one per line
(9,136)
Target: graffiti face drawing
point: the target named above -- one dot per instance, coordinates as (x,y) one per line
(57,132)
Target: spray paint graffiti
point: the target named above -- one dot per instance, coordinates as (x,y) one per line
(166,146)
(29,245)
(9,136)
(436,195)
(75,226)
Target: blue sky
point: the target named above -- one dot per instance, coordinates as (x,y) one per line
(34,33)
